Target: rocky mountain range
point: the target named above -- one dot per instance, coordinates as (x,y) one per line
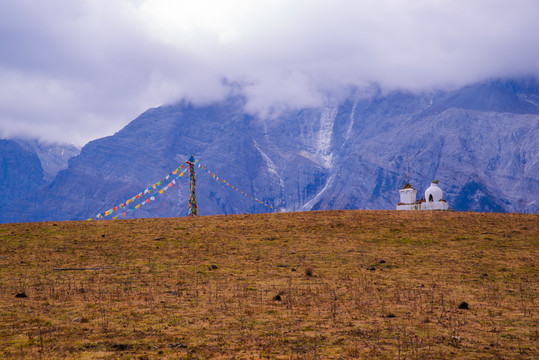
(480,141)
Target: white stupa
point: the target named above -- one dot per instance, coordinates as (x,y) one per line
(433,198)
(408,198)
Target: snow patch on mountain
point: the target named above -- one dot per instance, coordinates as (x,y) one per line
(311,203)
(270,164)
(352,120)
(325,136)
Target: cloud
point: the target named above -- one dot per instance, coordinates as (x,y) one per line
(77,70)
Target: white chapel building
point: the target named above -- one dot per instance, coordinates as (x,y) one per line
(433,199)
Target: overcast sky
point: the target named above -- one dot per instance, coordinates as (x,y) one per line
(76,70)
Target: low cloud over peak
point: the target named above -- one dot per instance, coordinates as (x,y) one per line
(74,71)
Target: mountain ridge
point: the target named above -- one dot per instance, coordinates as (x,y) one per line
(351,155)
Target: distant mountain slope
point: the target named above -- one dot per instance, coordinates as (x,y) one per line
(53,157)
(516,97)
(20,172)
(480,141)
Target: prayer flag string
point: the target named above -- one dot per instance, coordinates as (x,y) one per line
(217,178)
(147,191)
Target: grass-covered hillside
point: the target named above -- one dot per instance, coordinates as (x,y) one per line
(311,285)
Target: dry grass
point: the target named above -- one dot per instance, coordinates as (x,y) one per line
(315,285)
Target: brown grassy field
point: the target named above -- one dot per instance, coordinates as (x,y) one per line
(311,285)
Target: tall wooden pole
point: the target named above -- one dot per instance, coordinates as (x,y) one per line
(193,208)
